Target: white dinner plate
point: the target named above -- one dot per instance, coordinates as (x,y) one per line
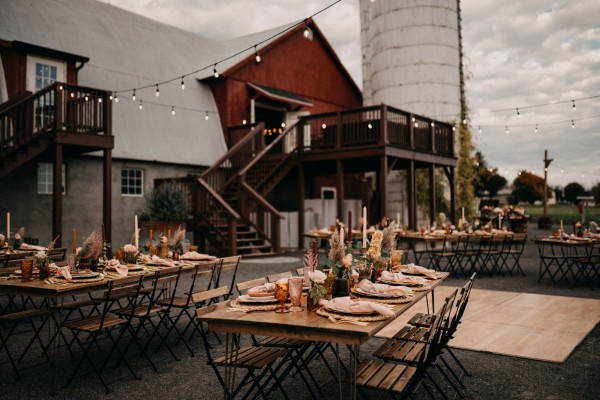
(373,294)
(249,299)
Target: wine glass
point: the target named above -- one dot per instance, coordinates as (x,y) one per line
(281,294)
(295,289)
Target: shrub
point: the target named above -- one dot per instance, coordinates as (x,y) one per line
(166,202)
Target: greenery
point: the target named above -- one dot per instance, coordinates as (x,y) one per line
(567,213)
(488,180)
(596,192)
(529,188)
(572,190)
(166,202)
(442,204)
(465,170)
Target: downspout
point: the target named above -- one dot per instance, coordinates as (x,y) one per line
(77,71)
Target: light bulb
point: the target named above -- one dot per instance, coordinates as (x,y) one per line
(306,32)
(573,105)
(572,124)
(157,91)
(507,131)
(182,84)
(464,121)
(453,129)
(283,124)
(140,107)
(172,110)
(110,97)
(416,124)
(323,125)
(370,126)
(432,123)
(206,116)
(536,128)
(216,74)
(86,98)
(480,130)
(256,55)
(116,99)
(133,96)
(100,100)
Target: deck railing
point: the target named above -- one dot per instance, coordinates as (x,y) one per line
(374,125)
(58,107)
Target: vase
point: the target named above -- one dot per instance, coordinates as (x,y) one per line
(340,288)
(164,250)
(310,306)
(44,270)
(130,257)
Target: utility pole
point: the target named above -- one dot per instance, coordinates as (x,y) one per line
(546,164)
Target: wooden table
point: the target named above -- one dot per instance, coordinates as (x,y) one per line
(560,254)
(305,325)
(56,293)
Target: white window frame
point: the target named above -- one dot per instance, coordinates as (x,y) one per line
(61,70)
(142,183)
(49,174)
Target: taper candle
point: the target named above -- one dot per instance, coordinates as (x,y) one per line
(136,234)
(349,225)
(103,234)
(463,214)
(342,235)
(398,219)
(364,227)
(150,238)
(74,242)
(169,237)
(7,225)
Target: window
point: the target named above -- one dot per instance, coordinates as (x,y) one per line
(44,75)
(45,178)
(42,72)
(132,182)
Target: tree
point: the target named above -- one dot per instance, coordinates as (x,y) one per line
(487,179)
(442,204)
(596,192)
(558,193)
(572,190)
(529,187)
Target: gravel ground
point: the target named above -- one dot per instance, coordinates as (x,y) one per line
(493,376)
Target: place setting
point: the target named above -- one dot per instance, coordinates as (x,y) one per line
(417,283)
(382,293)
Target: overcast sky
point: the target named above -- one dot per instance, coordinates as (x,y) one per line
(518,53)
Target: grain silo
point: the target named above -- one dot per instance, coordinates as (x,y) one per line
(410,51)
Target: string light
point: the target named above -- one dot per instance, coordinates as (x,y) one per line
(116,98)
(453,129)
(432,123)
(480,130)
(518,113)
(536,128)
(256,55)
(100,100)
(86,98)
(464,121)
(572,124)
(370,126)
(110,97)
(323,125)
(206,116)
(573,105)
(507,131)
(416,124)
(216,74)
(140,106)
(244,122)
(172,110)
(306,32)
(283,124)
(182,84)
(133,96)
(157,91)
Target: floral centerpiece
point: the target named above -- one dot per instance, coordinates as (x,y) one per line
(17,239)
(2,240)
(340,263)
(317,290)
(131,252)
(90,252)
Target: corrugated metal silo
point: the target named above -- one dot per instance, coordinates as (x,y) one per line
(410,51)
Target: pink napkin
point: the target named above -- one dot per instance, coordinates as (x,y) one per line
(418,270)
(193,255)
(61,271)
(393,276)
(439,232)
(117,266)
(267,287)
(348,305)
(369,286)
(25,246)
(145,259)
(162,261)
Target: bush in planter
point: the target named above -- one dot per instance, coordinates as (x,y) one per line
(166,202)
(545,222)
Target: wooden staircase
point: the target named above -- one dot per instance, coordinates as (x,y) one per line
(228,200)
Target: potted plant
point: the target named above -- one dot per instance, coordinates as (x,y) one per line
(545,222)
(166,208)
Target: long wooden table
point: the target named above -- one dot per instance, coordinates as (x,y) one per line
(55,293)
(560,255)
(305,325)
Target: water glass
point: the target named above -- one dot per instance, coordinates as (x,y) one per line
(26,269)
(281,294)
(295,288)
(71,259)
(185,246)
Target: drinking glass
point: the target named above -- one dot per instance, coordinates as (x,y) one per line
(193,248)
(26,269)
(71,258)
(295,288)
(397,257)
(185,246)
(281,294)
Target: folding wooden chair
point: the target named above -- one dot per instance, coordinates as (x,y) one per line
(513,253)
(57,254)
(104,325)
(252,359)
(276,277)
(447,253)
(228,264)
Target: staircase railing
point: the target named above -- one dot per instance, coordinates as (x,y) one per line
(261,215)
(226,169)
(58,107)
(266,164)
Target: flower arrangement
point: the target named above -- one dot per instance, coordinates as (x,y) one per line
(91,250)
(17,239)
(178,237)
(340,258)
(374,250)
(318,290)
(388,237)
(2,240)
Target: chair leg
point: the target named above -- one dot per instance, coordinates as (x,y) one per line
(3,342)
(458,361)
(456,389)
(456,377)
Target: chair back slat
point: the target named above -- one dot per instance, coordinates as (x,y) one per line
(249,284)
(300,271)
(210,294)
(276,277)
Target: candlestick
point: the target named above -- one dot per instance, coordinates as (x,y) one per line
(136,234)
(74,242)
(364,227)
(349,226)
(427,222)
(7,225)
(499,221)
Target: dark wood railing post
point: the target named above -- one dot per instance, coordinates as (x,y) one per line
(276,233)
(58,107)
(232,235)
(411,130)
(29,124)
(383,126)
(339,130)
(57,194)
(300,135)
(451,146)
(432,128)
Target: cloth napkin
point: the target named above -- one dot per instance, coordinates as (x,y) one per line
(161,261)
(61,271)
(25,246)
(193,255)
(418,270)
(371,287)
(401,278)
(122,270)
(267,287)
(348,305)
(438,232)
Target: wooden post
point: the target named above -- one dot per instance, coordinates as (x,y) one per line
(432,200)
(300,135)
(58,107)
(452,180)
(433,147)
(232,222)
(276,232)
(107,194)
(383,173)
(57,194)
(411,130)
(340,189)
(412,196)
(301,196)
(546,164)
(383,128)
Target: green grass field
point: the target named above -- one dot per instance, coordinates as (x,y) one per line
(568,213)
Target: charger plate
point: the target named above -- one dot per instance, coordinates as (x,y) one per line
(400,300)
(350,317)
(245,307)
